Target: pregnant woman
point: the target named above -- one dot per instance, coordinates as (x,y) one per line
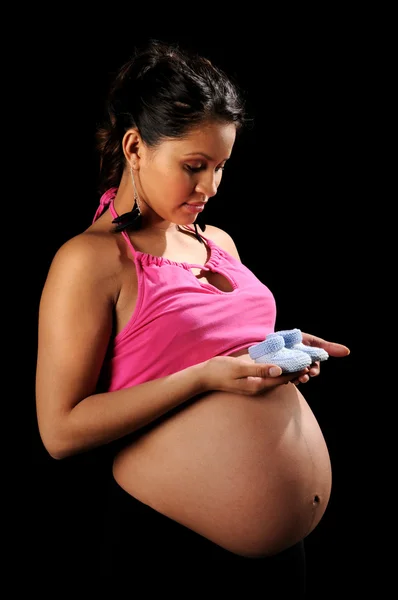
(145,324)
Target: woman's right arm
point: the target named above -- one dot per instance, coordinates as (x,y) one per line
(75,325)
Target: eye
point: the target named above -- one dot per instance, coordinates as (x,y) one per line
(194,169)
(201,167)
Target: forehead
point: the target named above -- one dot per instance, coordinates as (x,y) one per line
(213,139)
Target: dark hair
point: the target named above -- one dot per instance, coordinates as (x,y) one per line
(164,92)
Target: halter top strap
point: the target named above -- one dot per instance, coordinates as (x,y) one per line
(105,201)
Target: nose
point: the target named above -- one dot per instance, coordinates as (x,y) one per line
(207,184)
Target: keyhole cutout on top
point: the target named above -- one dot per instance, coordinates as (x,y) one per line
(218,281)
(215,279)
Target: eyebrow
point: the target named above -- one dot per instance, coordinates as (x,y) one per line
(204,155)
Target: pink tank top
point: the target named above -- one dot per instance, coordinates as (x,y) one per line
(180,321)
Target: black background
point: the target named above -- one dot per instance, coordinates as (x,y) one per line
(290,198)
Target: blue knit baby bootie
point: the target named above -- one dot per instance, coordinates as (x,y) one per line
(272,350)
(293,340)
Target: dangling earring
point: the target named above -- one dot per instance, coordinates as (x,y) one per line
(131,220)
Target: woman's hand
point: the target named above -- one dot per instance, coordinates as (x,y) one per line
(332,348)
(241,375)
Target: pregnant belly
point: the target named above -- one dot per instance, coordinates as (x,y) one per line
(252,474)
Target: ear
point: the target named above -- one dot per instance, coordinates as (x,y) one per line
(132,145)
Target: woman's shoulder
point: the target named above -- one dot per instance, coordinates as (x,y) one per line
(222,238)
(92,253)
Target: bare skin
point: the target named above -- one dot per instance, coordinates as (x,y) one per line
(237,453)
(253,475)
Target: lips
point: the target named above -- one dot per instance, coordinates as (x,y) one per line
(195,207)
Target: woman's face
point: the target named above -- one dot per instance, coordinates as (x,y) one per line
(177,178)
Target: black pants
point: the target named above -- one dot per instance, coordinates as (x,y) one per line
(138,540)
